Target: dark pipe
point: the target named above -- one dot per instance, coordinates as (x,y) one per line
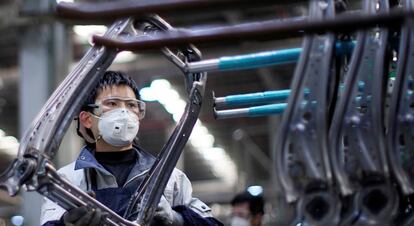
(113,10)
(259,30)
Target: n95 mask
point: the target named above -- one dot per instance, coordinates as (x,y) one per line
(239,221)
(118,127)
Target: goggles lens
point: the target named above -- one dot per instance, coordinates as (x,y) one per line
(133,105)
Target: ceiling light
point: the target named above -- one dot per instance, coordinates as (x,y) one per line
(255,190)
(148,94)
(125,57)
(58,1)
(84,32)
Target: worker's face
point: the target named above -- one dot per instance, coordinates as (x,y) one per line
(113,97)
(110,99)
(241,210)
(240,215)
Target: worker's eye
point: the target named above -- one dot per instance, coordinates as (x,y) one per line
(111,103)
(132,104)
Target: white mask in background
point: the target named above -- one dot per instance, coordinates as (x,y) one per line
(239,221)
(118,127)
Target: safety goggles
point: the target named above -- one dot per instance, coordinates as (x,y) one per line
(111,103)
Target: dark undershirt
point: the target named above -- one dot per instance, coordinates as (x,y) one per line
(118,163)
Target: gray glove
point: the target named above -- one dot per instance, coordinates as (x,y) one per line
(165,215)
(82,216)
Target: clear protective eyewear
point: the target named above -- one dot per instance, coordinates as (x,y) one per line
(134,105)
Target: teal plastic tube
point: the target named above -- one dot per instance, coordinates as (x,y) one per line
(262,59)
(264,110)
(269,58)
(270,109)
(268,96)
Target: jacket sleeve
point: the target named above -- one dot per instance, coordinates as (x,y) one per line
(179,193)
(192,218)
(54,223)
(50,212)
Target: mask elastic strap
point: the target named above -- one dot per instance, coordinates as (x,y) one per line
(99,136)
(98,117)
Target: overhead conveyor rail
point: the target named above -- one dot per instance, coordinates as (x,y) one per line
(266,30)
(114,10)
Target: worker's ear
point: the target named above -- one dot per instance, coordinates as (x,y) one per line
(85,119)
(84,126)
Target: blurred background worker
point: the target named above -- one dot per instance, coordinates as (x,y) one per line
(247,210)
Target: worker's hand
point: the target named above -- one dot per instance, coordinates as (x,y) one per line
(82,216)
(165,215)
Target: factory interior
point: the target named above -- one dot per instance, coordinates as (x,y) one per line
(321,141)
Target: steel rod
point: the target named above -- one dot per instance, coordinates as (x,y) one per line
(252,98)
(270,109)
(264,30)
(113,10)
(256,60)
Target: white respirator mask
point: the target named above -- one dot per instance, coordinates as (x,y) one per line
(239,221)
(118,127)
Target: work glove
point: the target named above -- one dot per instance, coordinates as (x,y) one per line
(166,216)
(82,216)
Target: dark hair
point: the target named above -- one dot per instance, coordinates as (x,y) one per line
(110,78)
(256,203)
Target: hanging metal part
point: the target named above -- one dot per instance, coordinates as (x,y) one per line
(357,134)
(400,135)
(145,200)
(19,171)
(302,161)
(48,128)
(153,25)
(68,196)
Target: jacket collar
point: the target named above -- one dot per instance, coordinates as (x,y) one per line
(86,159)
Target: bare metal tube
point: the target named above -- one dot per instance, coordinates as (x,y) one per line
(265,110)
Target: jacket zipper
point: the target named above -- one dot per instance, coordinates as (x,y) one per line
(142,173)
